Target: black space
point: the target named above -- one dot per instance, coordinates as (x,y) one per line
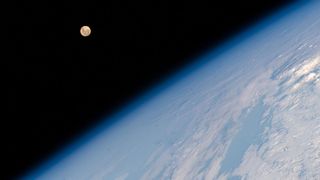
(58,84)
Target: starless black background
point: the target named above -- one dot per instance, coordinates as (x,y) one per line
(59,84)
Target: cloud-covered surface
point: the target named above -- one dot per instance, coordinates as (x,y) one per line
(251,113)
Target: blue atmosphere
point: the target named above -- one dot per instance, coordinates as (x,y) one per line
(247,110)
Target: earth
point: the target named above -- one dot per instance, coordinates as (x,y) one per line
(247,110)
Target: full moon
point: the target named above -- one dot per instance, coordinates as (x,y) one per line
(85,31)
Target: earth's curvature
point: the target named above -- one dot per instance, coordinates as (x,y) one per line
(251,111)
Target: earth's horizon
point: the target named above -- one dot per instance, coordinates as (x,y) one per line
(250,112)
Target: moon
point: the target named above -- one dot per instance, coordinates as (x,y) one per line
(85,31)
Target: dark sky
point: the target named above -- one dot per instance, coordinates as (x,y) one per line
(58,84)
